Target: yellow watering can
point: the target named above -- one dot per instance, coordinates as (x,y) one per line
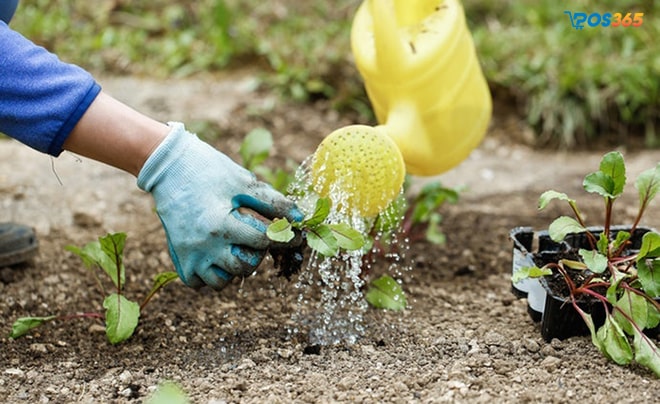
(424,81)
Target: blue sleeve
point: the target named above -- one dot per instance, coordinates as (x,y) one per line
(41,98)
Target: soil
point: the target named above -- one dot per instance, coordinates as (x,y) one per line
(463,338)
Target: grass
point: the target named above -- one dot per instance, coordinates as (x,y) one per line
(572,86)
(303,46)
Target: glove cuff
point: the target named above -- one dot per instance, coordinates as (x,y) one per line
(171,149)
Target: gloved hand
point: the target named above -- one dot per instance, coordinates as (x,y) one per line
(198,193)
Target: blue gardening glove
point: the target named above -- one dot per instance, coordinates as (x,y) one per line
(198,193)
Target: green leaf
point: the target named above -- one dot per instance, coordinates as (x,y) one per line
(577,265)
(429,199)
(24,325)
(634,307)
(613,166)
(347,237)
(603,244)
(646,352)
(321,239)
(386,293)
(589,322)
(530,272)
(650,246)
(168,392)
(255,148)
(280,230)
(653,318)
(162,279)
(92,254)
(87,258)
(562,226)
(610,180)
(279,178)
(615,344)
(112,246)
(433,233)
(121,317)
(621,238)
(648,184)
(600,183)
(595,261)
(551,195)
(321,212)
(648,272)
(613,289)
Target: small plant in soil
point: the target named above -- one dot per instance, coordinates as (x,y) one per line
(168,392)
(625,281)
(414,217)
(121,315)
(255,150)
(408,219)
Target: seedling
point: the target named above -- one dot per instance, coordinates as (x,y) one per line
(416,217)
(121,314)
(168,392)
(386,293)
(326,239)
(625,281)
(255,150)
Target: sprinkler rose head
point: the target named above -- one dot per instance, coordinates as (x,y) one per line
(359,168)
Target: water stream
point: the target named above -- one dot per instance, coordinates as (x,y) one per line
(331,303)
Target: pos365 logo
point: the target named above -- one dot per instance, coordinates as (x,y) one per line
(605,19)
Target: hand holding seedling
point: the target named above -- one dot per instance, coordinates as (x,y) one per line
(198,193)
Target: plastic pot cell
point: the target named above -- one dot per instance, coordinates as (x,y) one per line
(546,302)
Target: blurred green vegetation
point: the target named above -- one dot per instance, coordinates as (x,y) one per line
(570,85)
(302,46)
(573,85)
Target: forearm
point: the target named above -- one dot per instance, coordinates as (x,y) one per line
(113,133)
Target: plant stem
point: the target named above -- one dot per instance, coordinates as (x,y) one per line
(642,208)
(594,294)
(608,221)
(118,262)
(590,237)
(594,285)
(567,279)
(149,296)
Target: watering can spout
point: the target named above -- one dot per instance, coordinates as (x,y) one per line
(403,119)
(423,78)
